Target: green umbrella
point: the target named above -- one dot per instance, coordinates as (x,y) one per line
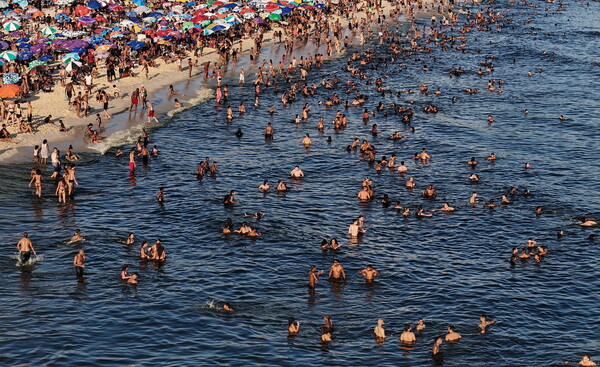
(187,25)
(47,31)
(275,17)
(11,25)
(9,55)
(36,63)
(206,22)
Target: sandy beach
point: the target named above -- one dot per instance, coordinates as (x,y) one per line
(195,89)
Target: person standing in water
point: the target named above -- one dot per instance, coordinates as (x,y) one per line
(436,352)
(378,330)
(78,262)
(25,248)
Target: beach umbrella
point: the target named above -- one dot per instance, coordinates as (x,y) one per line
(115,7)
(93,4)
(72,65)
(187,25)
(275,16)
(62,17)
(24,46)
(36,63)
(11,78)
(70,57)
(3,45)
(141,9)
(45,58)
(100,18)
(11,25)
(78,50)
(48,30)
(140,2)
(82,10)
(22,39)
(3,4)
(259,20)
(8,55)
(40,47)
(63,2)
(9,90)
(22,3)
(87,20)
(126,23)
(103,48)
(25,55)
(149,19)
(102,54)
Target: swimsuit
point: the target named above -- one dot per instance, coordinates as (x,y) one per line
(24,256)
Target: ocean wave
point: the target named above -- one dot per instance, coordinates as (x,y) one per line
(130,135)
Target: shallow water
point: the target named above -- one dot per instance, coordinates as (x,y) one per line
(447,269)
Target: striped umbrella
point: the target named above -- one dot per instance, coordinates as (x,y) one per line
(46,31)
(72,65)
(70,57)
(11,25)
(8,55)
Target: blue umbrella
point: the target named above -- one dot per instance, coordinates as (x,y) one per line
(320,6)
(25,55)
(139,2)
(78,50)
(22,40)
(230,6)
(94,5)
(155,14)
(3,45)
(62,17)
(285,10)
(131,14)
(24,46)
(45,58)
(135,20)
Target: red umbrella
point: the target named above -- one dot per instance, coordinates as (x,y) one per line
(82,10)
(100,18)
(199,18)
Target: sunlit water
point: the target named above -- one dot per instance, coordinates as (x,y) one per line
(447,269)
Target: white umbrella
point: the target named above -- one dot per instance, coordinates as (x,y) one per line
(141,9)
(72,65)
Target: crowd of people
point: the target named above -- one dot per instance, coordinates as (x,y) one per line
(292,81)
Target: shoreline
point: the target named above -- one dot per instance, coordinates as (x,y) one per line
(120,128)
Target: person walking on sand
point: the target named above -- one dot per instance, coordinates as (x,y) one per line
(151,112)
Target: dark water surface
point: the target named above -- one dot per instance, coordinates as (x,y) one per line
(447,269)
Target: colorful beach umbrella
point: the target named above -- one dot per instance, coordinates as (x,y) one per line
(48,30)
(9,90)
(11,25)
(72,65)
(11,78)
(25,55)
(36,63)
(8,55)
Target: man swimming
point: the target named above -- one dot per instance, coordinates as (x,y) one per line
(452,335)
(77,236)
(378,330)
(297,172)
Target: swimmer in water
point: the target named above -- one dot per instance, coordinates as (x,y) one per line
(588,222)
(445,208)
(133,279)
(492,157)
(485,323)
(124,274)
(306,141)
(336,272)
(144,251)
(378,330)
(161,195)
(408,336)
(293,326)
(130,239)
(436,352)
(227,307)
(25,248)
(281,186)
(473,199)
(77,236)
(452,335)
(369,273)
(264,186)
(297,172)
(257,215)
(420,325)
(313,276)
